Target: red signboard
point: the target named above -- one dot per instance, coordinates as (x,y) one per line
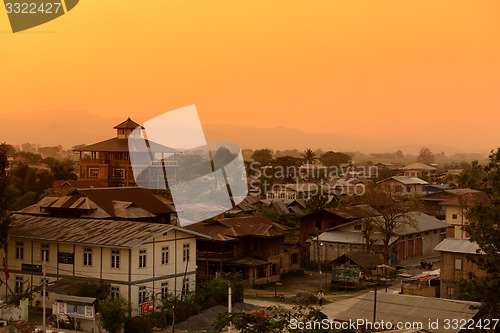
(147,307)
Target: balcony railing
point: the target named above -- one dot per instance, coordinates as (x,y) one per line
(214,254)
(103,161)
(94,161)
(166,163)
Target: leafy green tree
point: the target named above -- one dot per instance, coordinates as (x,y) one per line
(286,161)
(14,297)
(317,202)
(97,289)
(191,166)
(25,200)
(5,201)
(43,180)
(29,147)
(289,220)
(309,156)
(61,170)
(215,291)
(30,158)
(484,229)
(288,152)
(383,173)
(54,152)
(114,313)
(223,156)
(285,168)
(472,177)
(18,174)
(394,215)
(331,158)
(27,179)
(263,156)
(425,156)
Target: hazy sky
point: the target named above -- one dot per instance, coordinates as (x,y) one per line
(416,70)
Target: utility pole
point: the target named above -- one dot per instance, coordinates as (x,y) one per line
(229,304)
(43,292)
(319,259)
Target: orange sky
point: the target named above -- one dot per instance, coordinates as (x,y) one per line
(425,71)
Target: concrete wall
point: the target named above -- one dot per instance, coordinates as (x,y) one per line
(330,251)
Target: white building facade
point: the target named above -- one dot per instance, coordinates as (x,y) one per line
(138,259)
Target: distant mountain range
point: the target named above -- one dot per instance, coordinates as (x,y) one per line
(70,128)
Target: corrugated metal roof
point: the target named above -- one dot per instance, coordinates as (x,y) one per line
(77,183)
(298,202)
(127,210)
(363,259)
(421,222)
(121,202)
(297,210)
(74,299)
(419,166)
(231,228)
(409,309)
(353,212)
(408,180)
(460,191)
(440,186)
(247,261)
(456,245)
(280,207)
(105,197)
(350,237)
(107,233)
(466,200)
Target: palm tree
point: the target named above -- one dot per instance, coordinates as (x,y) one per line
(309,156)
(472,176)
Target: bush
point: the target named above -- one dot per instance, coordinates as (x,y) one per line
(208,294)
(113,314)
(138,325)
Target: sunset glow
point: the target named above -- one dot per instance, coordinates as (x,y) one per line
(406,71)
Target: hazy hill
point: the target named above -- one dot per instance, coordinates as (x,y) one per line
(69,128)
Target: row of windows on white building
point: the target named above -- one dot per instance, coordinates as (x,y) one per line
(115,255)
(115,290)
(115,263)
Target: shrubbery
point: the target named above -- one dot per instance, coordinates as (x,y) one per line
(208,294)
